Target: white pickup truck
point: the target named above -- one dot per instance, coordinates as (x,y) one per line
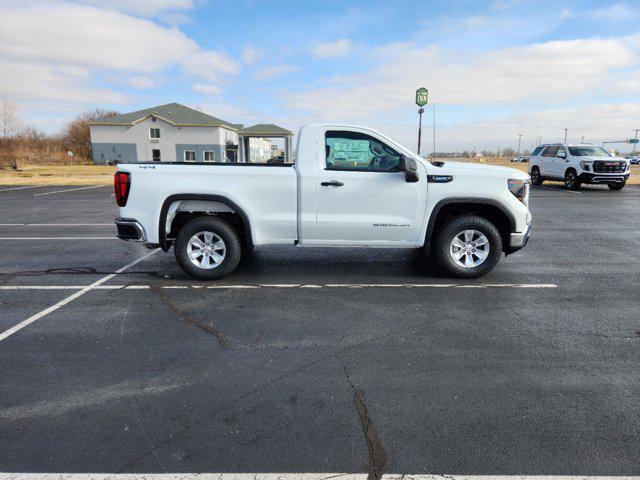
(349,187)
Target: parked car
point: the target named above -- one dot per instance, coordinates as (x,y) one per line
(349,186)
(520,159)
(578,164)
(634,160)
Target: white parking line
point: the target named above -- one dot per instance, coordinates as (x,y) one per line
(21,188)
(70,298)
(283,285)
(290,476)
(69,190)
(60,238)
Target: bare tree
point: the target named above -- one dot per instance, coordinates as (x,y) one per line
(77,134)
(8,117)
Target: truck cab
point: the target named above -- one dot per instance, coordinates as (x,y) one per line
(349,186)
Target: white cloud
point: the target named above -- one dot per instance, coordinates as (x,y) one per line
(206,89)
(620,12)
(339,48)
(275,71)
(551,72)
(140,81)
(251,55)
(54,51)
(143,7)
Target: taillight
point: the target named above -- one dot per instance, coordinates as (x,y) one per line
(121,183)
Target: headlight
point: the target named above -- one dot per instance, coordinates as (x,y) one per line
(585,165)
(520,189)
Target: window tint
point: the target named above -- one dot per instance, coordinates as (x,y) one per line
(360,152)
(550,151)
(537,151)
(154,133)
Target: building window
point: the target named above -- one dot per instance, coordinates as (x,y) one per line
(209,156)
(155,154)
(189,155)
(154,133)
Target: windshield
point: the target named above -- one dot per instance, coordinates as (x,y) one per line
(588,152)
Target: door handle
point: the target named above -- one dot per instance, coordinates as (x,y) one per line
(332,183)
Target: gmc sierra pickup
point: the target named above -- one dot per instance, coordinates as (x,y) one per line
(349,187)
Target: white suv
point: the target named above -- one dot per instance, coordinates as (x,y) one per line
(577,164)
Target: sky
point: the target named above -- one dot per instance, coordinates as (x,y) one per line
(495,69)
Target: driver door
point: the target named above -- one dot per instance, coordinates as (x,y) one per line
(362,198)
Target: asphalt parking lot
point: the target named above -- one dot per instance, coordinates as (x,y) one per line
(316,360)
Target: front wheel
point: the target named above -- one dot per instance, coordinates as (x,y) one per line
(571,181)
(207,248)
(617,185)
(468,246)
(536,178)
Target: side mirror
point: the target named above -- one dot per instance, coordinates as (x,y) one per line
(562,154)
(410,169)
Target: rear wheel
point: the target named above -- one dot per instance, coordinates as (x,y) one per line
(536,178)
(468,246)
(571,181)
(617,185)
(207,248)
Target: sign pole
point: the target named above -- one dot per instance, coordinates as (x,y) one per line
(422,96)
(420,112)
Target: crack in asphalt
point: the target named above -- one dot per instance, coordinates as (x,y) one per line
(188,318)
(378,460)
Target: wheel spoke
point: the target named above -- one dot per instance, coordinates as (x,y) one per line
(457,242)
(193,254)
(468,235)
(481,254)
(457,254)
(208,237)
(217,258)
(205,261)
(481,241)
(468,261)
(219,245)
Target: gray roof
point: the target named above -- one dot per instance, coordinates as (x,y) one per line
(265,129)
(172,112)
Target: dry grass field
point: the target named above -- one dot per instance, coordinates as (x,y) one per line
(59,175)
(103,175)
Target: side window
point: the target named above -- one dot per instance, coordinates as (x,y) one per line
(537,151)
(550,151)
(560,151)
(359,152)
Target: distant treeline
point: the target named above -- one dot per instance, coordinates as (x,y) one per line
(22,146)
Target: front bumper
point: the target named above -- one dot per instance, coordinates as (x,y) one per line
(518,240)
(130,229)
(585,177)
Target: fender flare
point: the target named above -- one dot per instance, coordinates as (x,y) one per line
(464,200)
(162,235)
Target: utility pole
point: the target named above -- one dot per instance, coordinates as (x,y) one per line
(519,141)
(582,139)
(634,145)
(565,134)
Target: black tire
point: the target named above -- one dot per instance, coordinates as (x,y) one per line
(571,180)
(536,178)
(218,227)
(617,185)
(446,234)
